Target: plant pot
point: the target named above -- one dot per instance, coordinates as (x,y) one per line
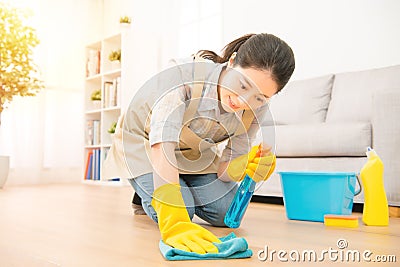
(4,168)
(124,25)
(115,64)
(96,104)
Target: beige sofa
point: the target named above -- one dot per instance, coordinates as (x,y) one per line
(326,124)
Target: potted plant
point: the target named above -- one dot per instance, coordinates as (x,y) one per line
(124,22)
(20,76)
(96,98)
(115,58)
(111,130)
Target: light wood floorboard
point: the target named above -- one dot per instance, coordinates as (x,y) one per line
(89,225)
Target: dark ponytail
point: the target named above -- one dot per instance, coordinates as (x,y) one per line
(227,52)
(260,51)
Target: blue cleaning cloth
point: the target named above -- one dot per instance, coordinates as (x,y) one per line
(231,247)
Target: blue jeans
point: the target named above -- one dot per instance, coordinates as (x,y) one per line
(204,195)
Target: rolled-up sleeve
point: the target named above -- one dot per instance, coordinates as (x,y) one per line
(167,115)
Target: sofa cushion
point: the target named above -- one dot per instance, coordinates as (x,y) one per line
(303,101)
(320,140)
(352,92)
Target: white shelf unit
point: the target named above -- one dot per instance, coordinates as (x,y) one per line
(103,75)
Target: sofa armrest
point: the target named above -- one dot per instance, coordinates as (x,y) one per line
(386,138)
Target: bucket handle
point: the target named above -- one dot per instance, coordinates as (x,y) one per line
(359,185)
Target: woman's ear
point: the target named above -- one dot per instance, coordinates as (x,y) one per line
(232,60)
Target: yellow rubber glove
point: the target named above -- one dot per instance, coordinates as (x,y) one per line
(261,168)
(237,167)
(258,168)
(174,223)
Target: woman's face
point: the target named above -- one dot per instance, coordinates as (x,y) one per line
(245,88)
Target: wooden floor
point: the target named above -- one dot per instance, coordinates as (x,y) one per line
(89,225)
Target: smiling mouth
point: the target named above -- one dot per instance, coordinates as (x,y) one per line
(231,104)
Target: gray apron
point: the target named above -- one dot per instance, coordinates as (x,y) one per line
(194,155)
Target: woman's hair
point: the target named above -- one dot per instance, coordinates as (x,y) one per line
(260,51)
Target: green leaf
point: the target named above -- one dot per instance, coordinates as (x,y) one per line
(18,71)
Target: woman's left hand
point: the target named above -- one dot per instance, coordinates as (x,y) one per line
(261,167)
(259,164)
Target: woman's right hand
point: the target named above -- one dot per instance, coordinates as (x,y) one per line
(173,219)
(174,223)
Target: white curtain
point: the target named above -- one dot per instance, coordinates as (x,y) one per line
(43,137)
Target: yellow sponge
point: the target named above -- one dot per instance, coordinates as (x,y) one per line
(341,220)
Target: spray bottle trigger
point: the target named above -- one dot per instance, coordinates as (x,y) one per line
(258,154)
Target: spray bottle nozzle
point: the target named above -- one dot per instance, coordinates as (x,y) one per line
(370,152)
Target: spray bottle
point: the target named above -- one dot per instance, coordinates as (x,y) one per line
(376,210)
(240,202)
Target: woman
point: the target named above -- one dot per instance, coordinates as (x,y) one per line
(176,122)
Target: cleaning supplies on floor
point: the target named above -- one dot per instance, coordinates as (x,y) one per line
(376,210)
(239,204)
(350,221)
(308,196)
(231,247)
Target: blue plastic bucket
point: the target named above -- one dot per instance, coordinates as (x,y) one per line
(310,195)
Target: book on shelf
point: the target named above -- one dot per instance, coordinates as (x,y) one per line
(111,92)
(93,132)
(88,169)
(93,162)
(96,132)
(89,132)
(98,163)
(93,62)
(117,85)
(94,170)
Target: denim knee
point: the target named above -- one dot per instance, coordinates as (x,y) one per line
(143,186)
(214,213)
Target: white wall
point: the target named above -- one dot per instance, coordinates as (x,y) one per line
(327,36)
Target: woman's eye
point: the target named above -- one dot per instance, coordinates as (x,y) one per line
(260,99)
(242,86)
